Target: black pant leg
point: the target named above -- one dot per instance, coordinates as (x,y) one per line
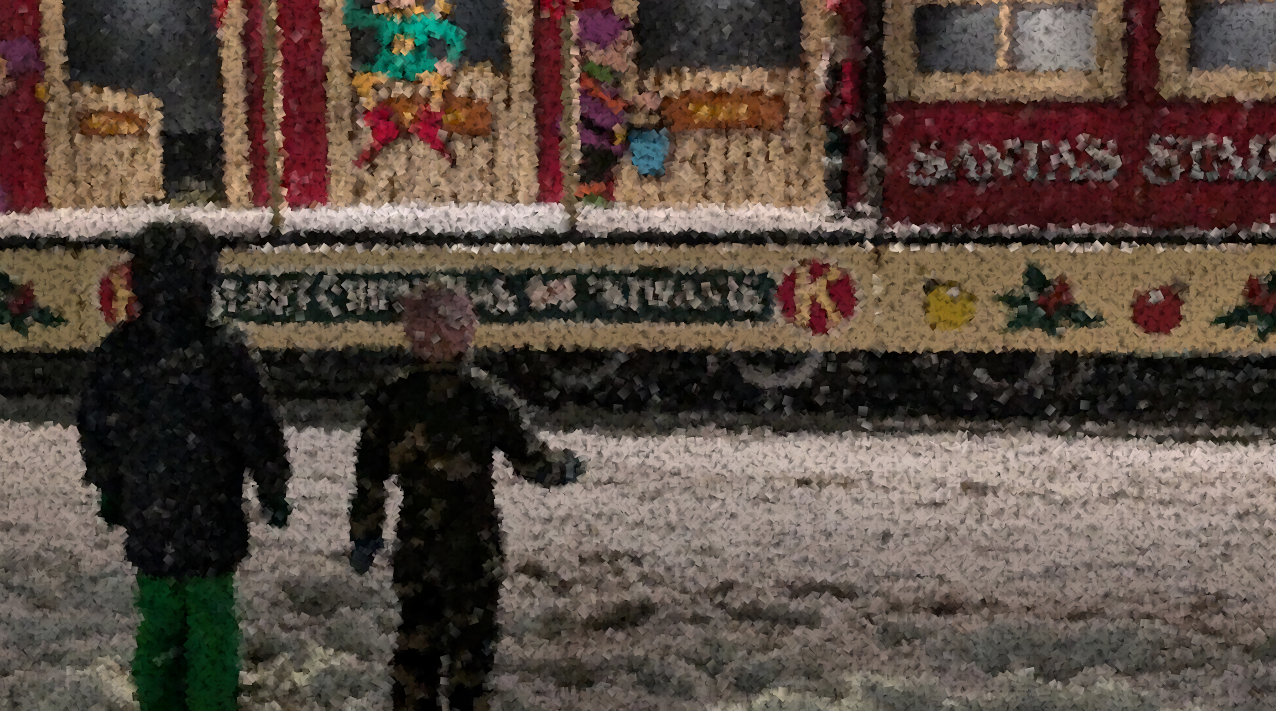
(448,573)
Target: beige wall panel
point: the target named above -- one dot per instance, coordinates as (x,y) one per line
(1103,282)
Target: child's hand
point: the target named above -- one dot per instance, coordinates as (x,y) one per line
(573,467)
(276,511)
(365,550)
(111,510)
(564,468)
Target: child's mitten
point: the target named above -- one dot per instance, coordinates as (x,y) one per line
(365,551)
(112,510)
(276,511)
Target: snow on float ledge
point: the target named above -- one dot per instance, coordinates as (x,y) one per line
(107,222)
(442,219)
(714,219)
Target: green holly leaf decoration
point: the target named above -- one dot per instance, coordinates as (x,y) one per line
(20,308)
(1046,304)
(1259,308)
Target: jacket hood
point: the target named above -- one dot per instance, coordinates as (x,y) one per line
(174,272)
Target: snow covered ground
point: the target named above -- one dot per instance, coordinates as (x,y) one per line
(719,570)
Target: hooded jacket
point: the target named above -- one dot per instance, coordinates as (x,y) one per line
(174,413)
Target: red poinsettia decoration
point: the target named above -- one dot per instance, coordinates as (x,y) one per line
(1159,310)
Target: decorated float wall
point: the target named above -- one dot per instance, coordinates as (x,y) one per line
(1159,116)
(344,102)
(1140,300)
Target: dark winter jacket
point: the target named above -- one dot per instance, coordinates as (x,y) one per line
(436,430)
(173,414)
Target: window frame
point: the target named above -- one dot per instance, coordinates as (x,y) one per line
(905,82)
(1179,80)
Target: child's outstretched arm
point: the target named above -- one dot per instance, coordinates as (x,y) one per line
(528,456)
(371,469)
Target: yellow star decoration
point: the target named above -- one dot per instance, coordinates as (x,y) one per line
(804,294)
(949,307)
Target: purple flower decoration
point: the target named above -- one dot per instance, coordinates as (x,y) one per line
(601,27)
(597,140)
(22,55)
(597,111)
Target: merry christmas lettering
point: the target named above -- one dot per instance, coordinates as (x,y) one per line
(642,295)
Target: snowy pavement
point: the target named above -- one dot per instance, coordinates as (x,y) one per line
(719,570)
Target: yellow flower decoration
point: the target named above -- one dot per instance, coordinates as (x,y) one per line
(948,306)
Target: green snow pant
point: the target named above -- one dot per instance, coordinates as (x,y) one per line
(187,655)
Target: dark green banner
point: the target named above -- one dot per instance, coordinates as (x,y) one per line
(614,296)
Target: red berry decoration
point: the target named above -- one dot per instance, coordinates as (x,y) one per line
(1057,295)
(21,299)
(1159,310)
(21,309)
(1046,304)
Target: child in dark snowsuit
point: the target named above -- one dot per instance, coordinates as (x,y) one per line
(172,415)
(435,429)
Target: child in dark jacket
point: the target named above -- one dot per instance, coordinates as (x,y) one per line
(172,416)
(436,429)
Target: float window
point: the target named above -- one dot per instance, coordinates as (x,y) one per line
(956,38)
(1053,38)
(1217,49)
(482,20)
(718,34)
(1237,35)
(981,50)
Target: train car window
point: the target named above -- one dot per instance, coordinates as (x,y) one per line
(1237,35)
(718,34)
(1053,38)
(482,20)
(166,49)
(1217,48)
(956,38)
(1004,50)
